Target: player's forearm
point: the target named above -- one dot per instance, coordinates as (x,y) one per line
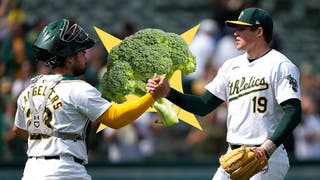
(200,105)
(289,120)
(119,115)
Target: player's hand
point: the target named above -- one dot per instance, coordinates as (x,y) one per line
(260,152)
(158,87)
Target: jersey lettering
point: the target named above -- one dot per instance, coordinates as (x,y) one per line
(57,106)
(40,90)
(243,86)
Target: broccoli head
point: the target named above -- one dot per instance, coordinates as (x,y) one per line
(138,57)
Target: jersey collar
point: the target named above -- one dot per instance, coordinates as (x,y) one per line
(251,60)
(69,77)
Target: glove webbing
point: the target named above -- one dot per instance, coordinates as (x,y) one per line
(229,165)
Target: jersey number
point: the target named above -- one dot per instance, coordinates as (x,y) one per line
(259,104)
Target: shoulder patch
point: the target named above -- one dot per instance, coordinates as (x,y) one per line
(292,82)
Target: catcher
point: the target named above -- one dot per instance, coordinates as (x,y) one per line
(262,92)
(55,112)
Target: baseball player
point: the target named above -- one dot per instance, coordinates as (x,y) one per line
(262,92)
(54,113)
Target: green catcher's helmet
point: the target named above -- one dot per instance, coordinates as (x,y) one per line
(60,38)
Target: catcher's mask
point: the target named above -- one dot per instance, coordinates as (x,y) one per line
(59,39)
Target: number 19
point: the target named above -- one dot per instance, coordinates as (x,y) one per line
(259,104)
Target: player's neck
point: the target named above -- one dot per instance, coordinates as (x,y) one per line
(258,51)
(62,71)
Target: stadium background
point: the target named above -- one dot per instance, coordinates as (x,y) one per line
(296,29)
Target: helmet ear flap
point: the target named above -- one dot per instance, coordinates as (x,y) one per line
(49,60)
(40,54)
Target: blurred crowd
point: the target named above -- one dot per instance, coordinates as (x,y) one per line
(143,139)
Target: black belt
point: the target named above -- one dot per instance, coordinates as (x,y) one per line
(77,160)
(235,146)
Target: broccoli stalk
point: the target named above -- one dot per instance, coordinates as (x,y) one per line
(135,60)
(165,108)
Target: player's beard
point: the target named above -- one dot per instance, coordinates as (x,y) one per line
(78,71)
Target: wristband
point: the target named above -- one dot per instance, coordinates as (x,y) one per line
(269,147)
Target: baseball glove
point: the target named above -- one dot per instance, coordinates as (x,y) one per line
(244,162)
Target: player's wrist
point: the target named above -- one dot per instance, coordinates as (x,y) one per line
(169,92)
(269,147)
(151,95)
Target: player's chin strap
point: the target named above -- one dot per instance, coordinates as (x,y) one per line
(36,124)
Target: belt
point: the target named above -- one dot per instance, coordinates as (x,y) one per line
(70,136)
(77,160)
(235,146)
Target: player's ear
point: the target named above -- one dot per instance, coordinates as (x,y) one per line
(260,31)
(69,59)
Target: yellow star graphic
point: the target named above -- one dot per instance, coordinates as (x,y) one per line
(110,41)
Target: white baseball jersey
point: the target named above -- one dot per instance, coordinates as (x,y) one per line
(253,92)
(69,108)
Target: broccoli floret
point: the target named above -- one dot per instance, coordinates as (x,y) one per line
(137,58)
(151,59)
(118,81)
(181,56)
